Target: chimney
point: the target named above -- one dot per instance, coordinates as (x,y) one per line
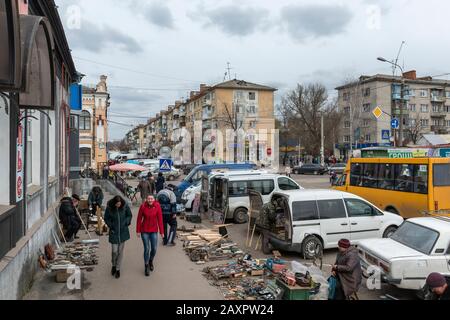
(192,94)
(410,75)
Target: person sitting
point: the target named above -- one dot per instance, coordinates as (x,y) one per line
(69,218)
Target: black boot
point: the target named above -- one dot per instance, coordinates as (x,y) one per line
(147,270)
(152,268)
(117,274)
(113,271)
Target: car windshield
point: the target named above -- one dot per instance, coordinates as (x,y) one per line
(416,237)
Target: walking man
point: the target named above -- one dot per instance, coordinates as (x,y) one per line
(160,182)
(118,219)
(144,189)
(347,271)
(168,201)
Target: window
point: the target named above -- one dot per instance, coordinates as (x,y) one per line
(265,187)
(416,237)
(331,209)
(238,189)
(436,108)
(347,124)
(369,175)
(424,122)
(413,122)
(252,124)
(447,123)
(404,177)
(366,92)
(347,139)
(424,108)
(85,157)
(421,179)
(347,110)
(411,92)
(441,175)
(412,107)
(286,184)
(423,93)
(346,96)
(436,122)
(366,123)
(447,94)
(366,107)
(447,109)
(85,120)
(252,96)
(304,211)
(358,208)
(368,138)
(355,174)
(386,178)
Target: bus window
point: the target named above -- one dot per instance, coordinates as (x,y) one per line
(404,177)
(421,179)
(386,176)
(355,175)
(441,175)
(369,176)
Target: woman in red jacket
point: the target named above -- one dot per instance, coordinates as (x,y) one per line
(149,222)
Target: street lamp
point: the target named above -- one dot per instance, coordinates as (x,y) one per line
(401,96)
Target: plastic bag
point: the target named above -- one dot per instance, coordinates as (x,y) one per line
(332,283)
(297,267)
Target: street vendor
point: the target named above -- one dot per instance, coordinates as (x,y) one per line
(95,199)
(347,271)
(69,218)
(439,287)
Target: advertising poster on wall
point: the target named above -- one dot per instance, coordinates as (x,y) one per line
(20,158)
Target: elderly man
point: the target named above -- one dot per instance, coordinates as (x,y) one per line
(439,287)
(69,217)
(347,271)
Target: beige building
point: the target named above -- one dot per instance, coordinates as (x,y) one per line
(94,126)
(425,109)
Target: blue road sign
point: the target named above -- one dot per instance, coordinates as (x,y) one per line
(165,165)
(395,124)
(385,134)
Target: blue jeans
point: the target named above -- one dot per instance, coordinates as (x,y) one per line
(150,241)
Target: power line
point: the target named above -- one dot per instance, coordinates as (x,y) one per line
(135,71)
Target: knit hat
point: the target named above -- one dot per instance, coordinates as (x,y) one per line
(436,280)
(344,243)
(76,197)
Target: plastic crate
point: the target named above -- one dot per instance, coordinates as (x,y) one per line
(294,293)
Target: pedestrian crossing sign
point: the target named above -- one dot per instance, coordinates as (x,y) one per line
(165,165)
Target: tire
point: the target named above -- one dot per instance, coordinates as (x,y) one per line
(389,231)
(316,173)
(171,178)
(309,246)
(266,246)
(240,216)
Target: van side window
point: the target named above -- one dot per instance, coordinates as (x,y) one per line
(358,208)
(304,211)
(237,189)
(331,209)
(265,187)
(286,184)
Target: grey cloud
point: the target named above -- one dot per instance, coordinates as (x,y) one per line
(234,20)
(95,38)
(160,15)
(315,21)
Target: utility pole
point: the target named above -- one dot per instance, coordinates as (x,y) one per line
(402,97)
(236,106)
(322,143)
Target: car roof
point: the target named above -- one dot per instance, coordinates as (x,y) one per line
(261,176)
(441,224)
(226,165)
(316,194)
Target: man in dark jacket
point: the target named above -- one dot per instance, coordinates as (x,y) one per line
(168,202)
(95,199)
(160,182)
(69,218)
(347,270)
(118,219)
(145,189)
(438,287)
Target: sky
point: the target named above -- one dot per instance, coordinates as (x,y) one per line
(155,52)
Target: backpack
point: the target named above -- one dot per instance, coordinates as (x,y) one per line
(164,201)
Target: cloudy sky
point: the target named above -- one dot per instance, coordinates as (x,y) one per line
(155,51)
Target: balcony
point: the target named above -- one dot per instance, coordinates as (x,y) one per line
(439,129)
(438,98)
(207,114)
(439,114)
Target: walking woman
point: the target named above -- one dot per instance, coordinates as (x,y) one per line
(149,223)
(118,219)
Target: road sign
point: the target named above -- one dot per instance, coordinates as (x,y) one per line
(165,165)
(378,112)
(385,134)
(269,152)
(395,124)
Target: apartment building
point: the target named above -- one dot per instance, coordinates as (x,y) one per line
(136,139)
(93,126)
(426,109)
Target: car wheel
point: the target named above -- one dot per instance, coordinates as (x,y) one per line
(389,231)
(240,216)
(310,246)
(266,246)
(316,173)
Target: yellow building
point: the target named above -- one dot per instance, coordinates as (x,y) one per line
(94,126)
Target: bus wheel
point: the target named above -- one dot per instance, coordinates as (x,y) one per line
(389,231)
(240,216)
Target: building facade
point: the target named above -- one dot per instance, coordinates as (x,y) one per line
(93,126)
(425,109)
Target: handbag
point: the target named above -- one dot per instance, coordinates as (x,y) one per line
(332,283)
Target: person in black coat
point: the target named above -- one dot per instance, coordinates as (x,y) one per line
(69,217)
(160,182)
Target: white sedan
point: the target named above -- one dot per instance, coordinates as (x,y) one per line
(188,197)
(418,248)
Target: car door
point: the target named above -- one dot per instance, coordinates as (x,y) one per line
(334,222)
(365,219)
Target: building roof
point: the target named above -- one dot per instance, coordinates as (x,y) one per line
(395,79)
(437,139)
(241,84)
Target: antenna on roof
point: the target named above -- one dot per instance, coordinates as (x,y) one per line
(229,70)
(394,67)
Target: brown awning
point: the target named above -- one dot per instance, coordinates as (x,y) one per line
(38,77)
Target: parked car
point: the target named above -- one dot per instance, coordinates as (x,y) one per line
(419,247)
(169,176)
(229,194)
(308,221)
(188,168)
(188,197)
(338,168)
(315,169)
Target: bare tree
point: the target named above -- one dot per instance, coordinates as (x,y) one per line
(414,129)
(284,124)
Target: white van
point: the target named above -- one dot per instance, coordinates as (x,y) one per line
(229,194)
(309,221)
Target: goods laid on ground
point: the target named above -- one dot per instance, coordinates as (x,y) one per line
(80,254)
(250,289)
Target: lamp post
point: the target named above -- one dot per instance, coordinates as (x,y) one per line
(402,97)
